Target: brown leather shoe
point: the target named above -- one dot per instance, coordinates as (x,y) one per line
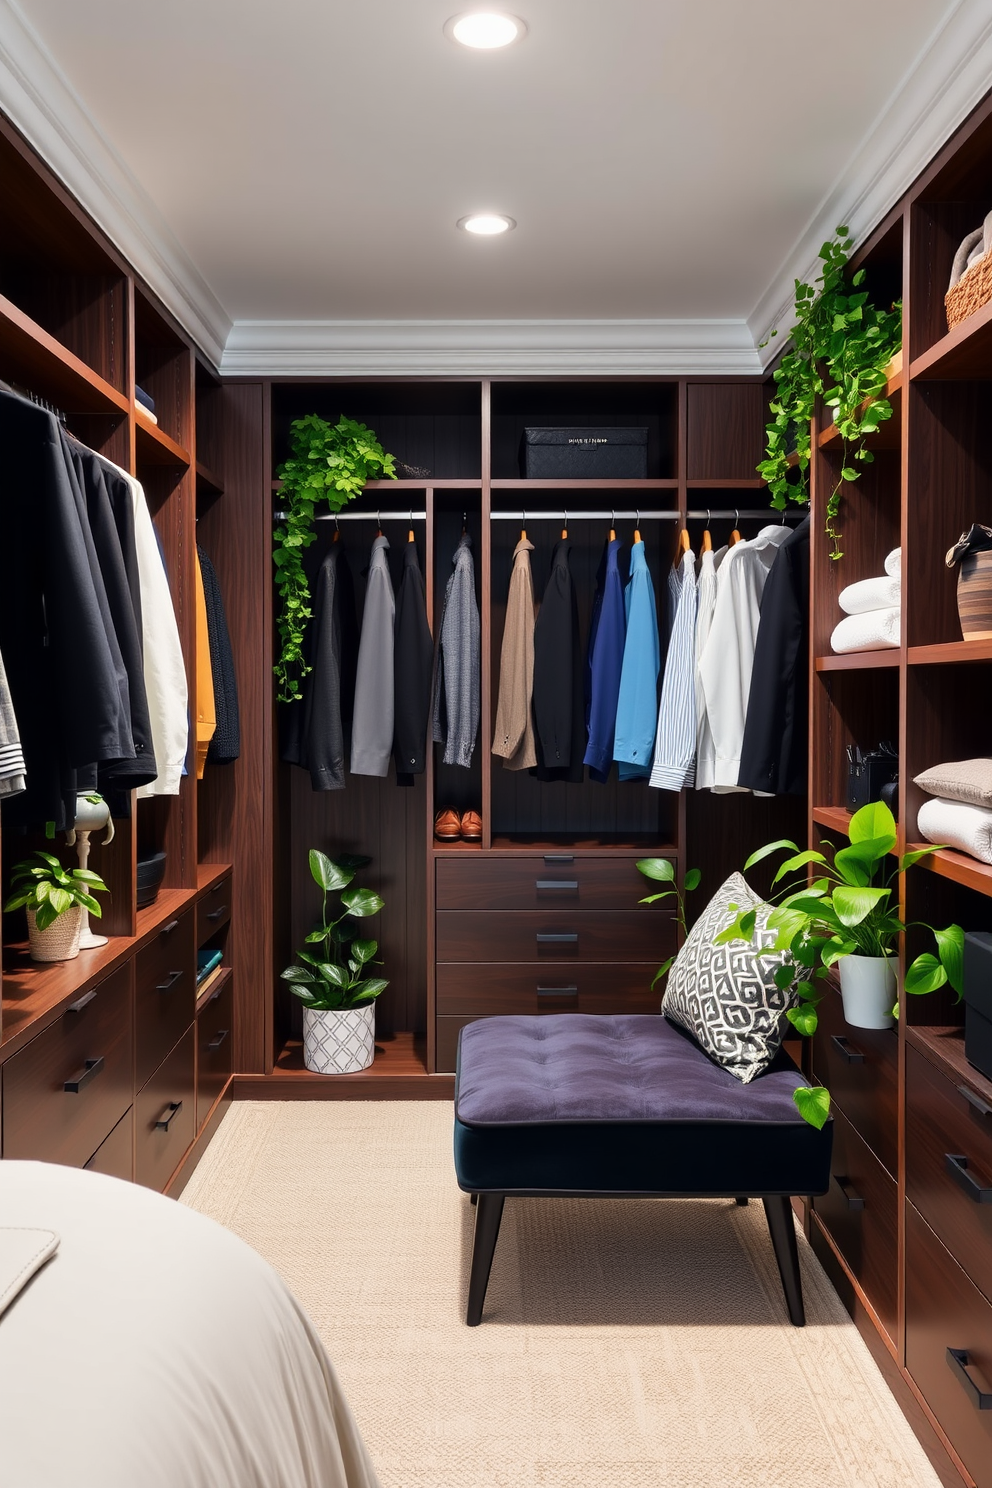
(471,826)
(447,825)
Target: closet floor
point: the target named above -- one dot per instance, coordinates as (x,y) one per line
(626,1344)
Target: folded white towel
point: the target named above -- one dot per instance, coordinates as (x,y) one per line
(953,824)
(869,632)
(893,563)
(870,594)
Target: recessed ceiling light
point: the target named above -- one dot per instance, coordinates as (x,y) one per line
(485,29)
(486,224)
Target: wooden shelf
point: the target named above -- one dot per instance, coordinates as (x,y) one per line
(427,483)
(945,1047)
(398,1072)
(589,484)
(208,874)
(728,485)
(153,445)
(965,352)
(603,843)
(889,433)
(35,359)
(837,818)
(858,661)
(957,866)
(950,651)
(207,481)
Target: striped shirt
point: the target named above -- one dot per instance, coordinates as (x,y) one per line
(12,770)
(675,743)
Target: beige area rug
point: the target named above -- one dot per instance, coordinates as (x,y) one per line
(626,1344)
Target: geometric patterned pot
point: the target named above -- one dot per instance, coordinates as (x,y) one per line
(60,942)
(341,1042)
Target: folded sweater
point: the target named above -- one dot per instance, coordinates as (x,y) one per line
(870,594)
(953,824)
(872,631)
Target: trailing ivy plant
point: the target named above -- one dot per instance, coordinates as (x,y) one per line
(331,464)
(841,345)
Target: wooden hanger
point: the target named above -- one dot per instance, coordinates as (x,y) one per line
(564,530)
(337,531)
(411,535)
(707,540)
(613,530)
(735,536)
(523,528)
(378,525)
(637,528)
(684,540)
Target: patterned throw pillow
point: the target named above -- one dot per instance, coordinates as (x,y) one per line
(725,995)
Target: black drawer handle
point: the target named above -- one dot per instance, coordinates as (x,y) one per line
(217,914)
(557,991)
(853,1056)
(81,1002)
(215,1044)
(853,1200)
(91,1068)
(570,938)
(958,1362)
(957,1166)
(169,982)
(559,858)
(168,1116)
(563,885)
(982,1107)
(168,929)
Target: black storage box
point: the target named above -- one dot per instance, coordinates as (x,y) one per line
(585,454)
(978,1000)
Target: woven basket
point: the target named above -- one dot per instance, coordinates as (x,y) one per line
(972,291)
(60,942)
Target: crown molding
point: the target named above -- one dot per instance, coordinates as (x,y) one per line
(479,348)
(38,98)
(947,80)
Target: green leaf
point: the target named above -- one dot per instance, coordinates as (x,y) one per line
(784,977)
(768,849)
(925,974)
(653,898)
(800,860)
(692,878)
(316,937)
(367,991)
(662,869)
(59,900)
(327,874)
(336,975)
(662,971)
(301,974)
(803,1019)
(872,821)
(950,947)
(364,950)
(813,1104)
(836,948)
(807,992)
(917,855)
(362,903)
(852,905)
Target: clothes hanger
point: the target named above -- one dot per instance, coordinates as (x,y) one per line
(464,523)
(637,525)
(378,524)
(613,529)
(735,536)
(684,540)
(523,526)
(411,535)
(337,528)
(564,530)
(707,540)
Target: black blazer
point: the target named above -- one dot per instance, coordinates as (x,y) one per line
(314,726)
(413,662)
(559,692)
(775,751)
(225,746)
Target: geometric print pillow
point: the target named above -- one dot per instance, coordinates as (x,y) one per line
(725,995)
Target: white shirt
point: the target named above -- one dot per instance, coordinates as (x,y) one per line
(724,666)
(705,605)
(675,742)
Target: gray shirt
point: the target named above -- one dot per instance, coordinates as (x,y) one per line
(372,729)
(457,697)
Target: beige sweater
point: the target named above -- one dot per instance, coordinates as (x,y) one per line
(513,739)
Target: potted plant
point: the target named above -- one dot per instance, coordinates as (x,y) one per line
(846,917)
(338,998)
(54,898)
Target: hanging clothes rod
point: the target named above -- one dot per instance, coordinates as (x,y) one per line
(745,516)
(363,516)
(536,514)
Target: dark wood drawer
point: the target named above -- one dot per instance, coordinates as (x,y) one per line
(213,910)
(954,1197)
(859,1066)
(70,1086)
(214,1042)
(546,987)
(164,993)
(165,1116)
(555,935)
(536,882)
(860,1213)
(115,1154)
(944,1311)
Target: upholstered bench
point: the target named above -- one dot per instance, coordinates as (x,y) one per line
(627,1106)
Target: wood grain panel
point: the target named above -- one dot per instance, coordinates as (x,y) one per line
(859,1066)
(540,882)
(214,1048)
(165,993)
(115,1154)
(725,430)
(213,910)
(168,1098)
(609,936)
(865,1236)
(545,987)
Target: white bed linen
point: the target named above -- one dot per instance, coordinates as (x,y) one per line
(869,632)
(870,594)
(156,1350)
(955,824)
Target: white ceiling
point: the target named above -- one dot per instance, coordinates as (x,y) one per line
(663,158)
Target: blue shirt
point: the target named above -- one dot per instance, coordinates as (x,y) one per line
(637,705)
(605,666)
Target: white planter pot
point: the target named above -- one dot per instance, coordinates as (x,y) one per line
(868,988)
(60,942)
(341,1042)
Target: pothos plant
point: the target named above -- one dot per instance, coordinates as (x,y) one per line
(662,870)
(332,973)
(329,464)
(841,346)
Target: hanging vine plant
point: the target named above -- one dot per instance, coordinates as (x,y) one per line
(841,347)
(327,463)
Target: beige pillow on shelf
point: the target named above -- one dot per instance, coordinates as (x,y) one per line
(961,780)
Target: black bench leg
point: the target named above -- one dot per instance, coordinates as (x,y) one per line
(778,1212)
(473,1198)
(741,1202)
(488,1213)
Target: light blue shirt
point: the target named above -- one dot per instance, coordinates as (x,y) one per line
(637,707)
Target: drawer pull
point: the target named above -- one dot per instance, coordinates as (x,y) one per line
(853,1200)
(957,1359)
(563,885)
(90,1070)
(982,1107)
(215,1044)
(168,929)
(217,914)
(168,1116)
(169,982)
(957,1166)
(570,937)
(81,1002)
(844,1049)
(559,858)
(557,991)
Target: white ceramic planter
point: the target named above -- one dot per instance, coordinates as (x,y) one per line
(868,988)
(341,1042)
(60,942)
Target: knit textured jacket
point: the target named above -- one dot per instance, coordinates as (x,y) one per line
(513,738)
(372,729)
(457,689)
